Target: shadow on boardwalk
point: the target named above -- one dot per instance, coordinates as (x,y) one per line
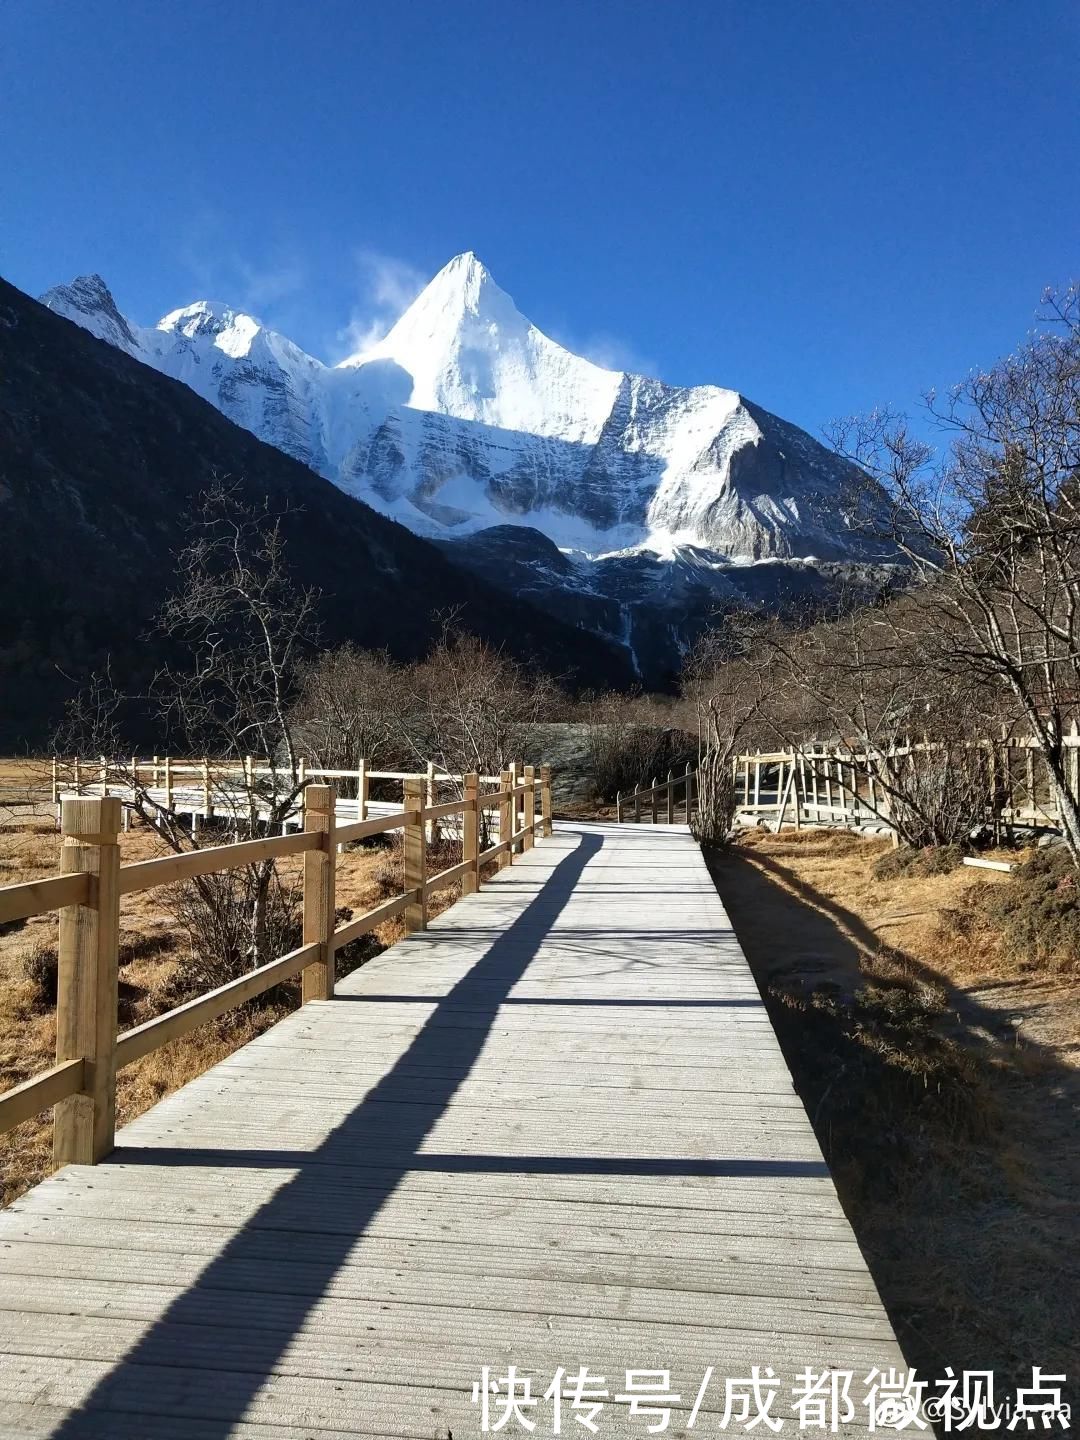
(953,1148)
(217,1399)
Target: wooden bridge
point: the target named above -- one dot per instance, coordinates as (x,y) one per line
(551,1129)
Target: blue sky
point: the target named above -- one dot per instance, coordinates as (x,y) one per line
(826,205)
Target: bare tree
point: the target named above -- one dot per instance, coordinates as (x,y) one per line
(727,684)
(350,708)
(992,530)
(863,682)
(631,739)
(243,628)
(469,706)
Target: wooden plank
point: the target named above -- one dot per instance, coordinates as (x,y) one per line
(377,825)
(135,1043)
(214,859)
(555,1123)
(370,920)
(447,877)
(23,1101)
(38,897)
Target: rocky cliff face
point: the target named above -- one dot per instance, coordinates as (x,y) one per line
(467,419)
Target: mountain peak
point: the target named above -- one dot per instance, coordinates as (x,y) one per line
(465,275)
(464,349)
(88,301)
(227,329)
(447,309)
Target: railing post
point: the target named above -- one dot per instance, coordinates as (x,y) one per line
(637,804)
(530,808)
(415,847)
(55,782)
(433,825)
(208,804)
(362,783)
(545,800)
(86,981)
(671,797)
(168,783)
(689,789)
(104,776)
(78,777)
(320,868)
(618,806)
(652,798)
(515,780)
(506,812)
(470,834)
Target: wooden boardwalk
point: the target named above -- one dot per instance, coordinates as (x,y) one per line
(554,1129)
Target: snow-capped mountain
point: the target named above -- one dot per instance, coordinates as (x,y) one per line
(466,417)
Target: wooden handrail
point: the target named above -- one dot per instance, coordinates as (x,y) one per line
(40,1092)
(134,1044)
(449,807)
(38,897)
(87,896)
(447,877)
(377,825)
(371,919)
(214,859)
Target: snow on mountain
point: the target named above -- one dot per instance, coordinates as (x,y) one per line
(465,416)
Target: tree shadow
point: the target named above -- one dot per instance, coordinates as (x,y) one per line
(965,1231)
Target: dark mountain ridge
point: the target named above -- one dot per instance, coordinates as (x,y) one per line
(100,460)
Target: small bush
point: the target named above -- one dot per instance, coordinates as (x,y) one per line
(134,945)
(41,968)
(932,860)
(624,756)
(1038,913)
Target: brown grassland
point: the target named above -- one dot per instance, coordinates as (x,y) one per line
(150,948)
(939,1065)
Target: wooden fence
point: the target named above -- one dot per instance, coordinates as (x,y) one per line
(81,1086)
(660,799)
(207,790)
(834,784)
(820,783)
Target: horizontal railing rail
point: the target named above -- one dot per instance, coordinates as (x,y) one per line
(80,1087)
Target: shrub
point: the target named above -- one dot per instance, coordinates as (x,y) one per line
(908,861)
(624,756)
(41,967)
(232,922)
(1038,912)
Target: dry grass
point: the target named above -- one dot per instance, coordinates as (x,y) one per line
(150,947)
(940,1071)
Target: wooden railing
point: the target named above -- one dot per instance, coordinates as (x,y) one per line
(832,783)
(208,790)
(81,1086)
(660,799)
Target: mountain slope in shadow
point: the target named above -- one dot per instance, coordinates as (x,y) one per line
(100,459)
